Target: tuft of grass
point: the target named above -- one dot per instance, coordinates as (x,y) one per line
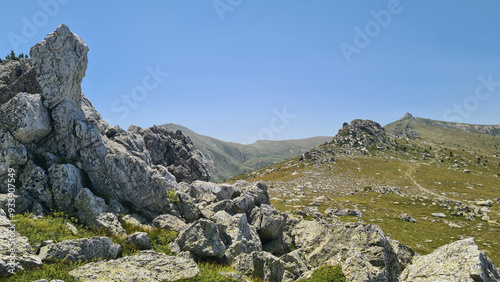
(160,240)
(328,273)
(211,272)
(172,197)
(51,227)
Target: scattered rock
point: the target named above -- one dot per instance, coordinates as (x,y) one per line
(440,214)
(407,217)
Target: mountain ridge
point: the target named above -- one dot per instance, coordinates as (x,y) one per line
(229,159)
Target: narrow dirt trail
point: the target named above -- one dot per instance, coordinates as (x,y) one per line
(409,174)
(427,191)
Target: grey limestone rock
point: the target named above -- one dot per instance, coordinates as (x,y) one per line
(140,240)
(268,222)
(260,264)
(110,223)
(89,206)
(238,236)
(176,152)
(85,249)
(169,222)
(459,261)
(26,118)
(201,238)
(143,266)
(66,182)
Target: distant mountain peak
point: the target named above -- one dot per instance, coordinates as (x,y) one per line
(409,116)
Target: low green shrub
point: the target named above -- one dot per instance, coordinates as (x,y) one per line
(328,273)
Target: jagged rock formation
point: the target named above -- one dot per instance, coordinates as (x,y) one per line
(52,133)
(357,138)
(360,136)
(176,152)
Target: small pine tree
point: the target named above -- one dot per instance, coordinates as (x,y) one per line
(12,55)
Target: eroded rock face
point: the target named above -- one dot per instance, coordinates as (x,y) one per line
(176,152)
(459,261)
(144,266)
(260,264)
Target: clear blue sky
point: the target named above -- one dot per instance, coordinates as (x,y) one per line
(232,64)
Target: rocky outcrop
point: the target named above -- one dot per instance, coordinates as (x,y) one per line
(86,249)
(75,156)
(176,152)
(144,266)
(459,261)
(360,136)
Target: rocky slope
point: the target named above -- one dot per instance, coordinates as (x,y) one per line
(228,159)
(67,158)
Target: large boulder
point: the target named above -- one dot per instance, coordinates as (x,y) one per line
(201,238)
(187,208)
(26,118)
(237,235)
(86,249)
(459,261)
(209,192)
(268,222)
(363,250)
(143,266)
